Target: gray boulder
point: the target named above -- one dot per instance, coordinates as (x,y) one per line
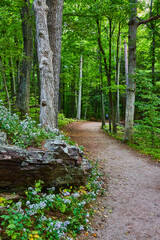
(57,164)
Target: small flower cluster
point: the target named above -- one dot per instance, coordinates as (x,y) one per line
(39,210)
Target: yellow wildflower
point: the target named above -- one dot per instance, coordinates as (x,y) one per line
(36,236)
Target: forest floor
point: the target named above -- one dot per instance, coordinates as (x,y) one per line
(130,207)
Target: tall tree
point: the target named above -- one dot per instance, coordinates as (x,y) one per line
(48,72)
(22,100)
(130,98)
(54,22)
(47,110)
(80,90)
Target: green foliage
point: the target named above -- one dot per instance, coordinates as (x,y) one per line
(62,120)
(52,216)
(147,129)
(25,132)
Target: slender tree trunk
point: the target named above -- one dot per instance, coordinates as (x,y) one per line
(126,61)
(18,72)
(111,99)
(105,67)
(13,80)
(47,105)
(153,44)
(109,83)
(54,21)
(5,84)
(153,47)
(86,108)
(130,99)
(101,90)
(118,71)
(80,90)
(22,100)
(76,94)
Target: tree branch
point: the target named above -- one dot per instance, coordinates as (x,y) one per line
(148,20)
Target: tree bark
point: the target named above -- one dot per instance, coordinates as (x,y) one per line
(111,98)
(101,90)
(106,69)
(45,55)
(126,61)
(54,22)
(22,100)
(153,44)
(118,71)
(130,98)
(80,90)
(13,79)
(5,84)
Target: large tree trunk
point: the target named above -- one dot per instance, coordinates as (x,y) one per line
(54,22)
(47,104)
(22,100)
(80,91)
(130,98)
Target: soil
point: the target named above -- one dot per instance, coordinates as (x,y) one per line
(130,208)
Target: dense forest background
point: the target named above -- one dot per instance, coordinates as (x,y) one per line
(94,63)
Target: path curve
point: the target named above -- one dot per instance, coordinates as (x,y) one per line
(131,209)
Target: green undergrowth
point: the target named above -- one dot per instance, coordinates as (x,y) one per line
(51,215)
(143,140)
(62,120)
(24,133)
(27,133)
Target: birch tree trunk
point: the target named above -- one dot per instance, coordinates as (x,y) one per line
(80,90)
(54,22)
(130,98)
(126,61)
(47,106)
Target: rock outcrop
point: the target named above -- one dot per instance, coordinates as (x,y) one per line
(57,164)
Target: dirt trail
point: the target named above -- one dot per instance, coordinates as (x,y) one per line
(131,209)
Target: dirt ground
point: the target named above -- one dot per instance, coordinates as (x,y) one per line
(130,209)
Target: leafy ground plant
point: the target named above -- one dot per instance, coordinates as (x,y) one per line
(62,120)
(27,132)
(23,133)
(45,216)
